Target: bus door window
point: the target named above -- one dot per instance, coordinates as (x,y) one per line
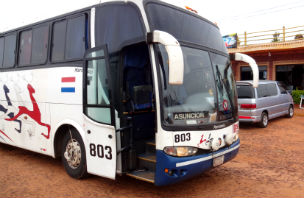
(98,98)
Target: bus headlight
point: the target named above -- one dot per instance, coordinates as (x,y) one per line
(180,151)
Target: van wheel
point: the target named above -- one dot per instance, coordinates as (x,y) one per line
(290,112)
(264,120)
(73,155)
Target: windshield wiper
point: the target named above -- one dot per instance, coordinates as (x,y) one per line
(220,77)
(161,63)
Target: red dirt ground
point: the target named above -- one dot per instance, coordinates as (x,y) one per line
(270,164)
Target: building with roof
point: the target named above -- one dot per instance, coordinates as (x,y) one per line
(278,58)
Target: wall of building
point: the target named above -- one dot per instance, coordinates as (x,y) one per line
(271,59)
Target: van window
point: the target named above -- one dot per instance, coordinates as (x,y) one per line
(245,91)
(261,91)
(282,89)
(272,89)
(266,90)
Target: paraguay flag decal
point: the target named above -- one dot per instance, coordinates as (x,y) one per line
(68,84)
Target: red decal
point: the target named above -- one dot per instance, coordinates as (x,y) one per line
(6,136)
(235,128)
(225,105)
(35,114)
(68,79)
(202,140)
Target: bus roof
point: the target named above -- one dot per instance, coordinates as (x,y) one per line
(137,2)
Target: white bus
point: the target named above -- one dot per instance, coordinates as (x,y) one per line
(135,87)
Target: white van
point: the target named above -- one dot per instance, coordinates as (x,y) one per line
(268,101)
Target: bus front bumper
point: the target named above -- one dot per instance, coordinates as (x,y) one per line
(171,169)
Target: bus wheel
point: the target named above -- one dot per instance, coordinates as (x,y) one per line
(264,120)
(290,112)
(73,155)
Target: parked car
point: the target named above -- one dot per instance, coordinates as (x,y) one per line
(259,105)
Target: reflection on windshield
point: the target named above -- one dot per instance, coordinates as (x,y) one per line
(194,101)
(225,85)
(206,96)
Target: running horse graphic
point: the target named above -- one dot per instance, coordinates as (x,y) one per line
(5,110)
(35,114)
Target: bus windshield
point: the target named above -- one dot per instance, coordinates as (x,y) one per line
(206,96)
(185,26)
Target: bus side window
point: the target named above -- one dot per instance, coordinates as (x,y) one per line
(59,29)
(25,49)
(40,44)
(9,51)
(75,38)
(1,50)
(69,39)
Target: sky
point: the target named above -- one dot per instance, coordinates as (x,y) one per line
(232,16)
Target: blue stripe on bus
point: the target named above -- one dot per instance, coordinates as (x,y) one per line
(188,171)
(68,89)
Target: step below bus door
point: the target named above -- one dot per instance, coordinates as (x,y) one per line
(99,115)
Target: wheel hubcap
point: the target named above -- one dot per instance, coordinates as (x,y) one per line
(265,120)
(291,111)
(73,153)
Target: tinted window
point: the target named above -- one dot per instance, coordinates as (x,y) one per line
(262,91)
(245,91)
(184,26)
(59,31)
(75,39)
(25,48)
(40,44)
(1,50)
(282,89)
(9,51)
(117,26)
(265,90)
(272,89)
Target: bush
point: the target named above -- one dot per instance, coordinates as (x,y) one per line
(298,36)
(276,37)
(296,95)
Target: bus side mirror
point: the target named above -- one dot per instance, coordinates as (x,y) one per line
(175,55)
(254,67)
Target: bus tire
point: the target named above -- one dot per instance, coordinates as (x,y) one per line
(73,154)
(264,120)
(290,112)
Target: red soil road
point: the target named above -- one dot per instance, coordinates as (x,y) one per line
(270,163)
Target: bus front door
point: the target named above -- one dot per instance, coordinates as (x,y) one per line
(99,114)
(100,149)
